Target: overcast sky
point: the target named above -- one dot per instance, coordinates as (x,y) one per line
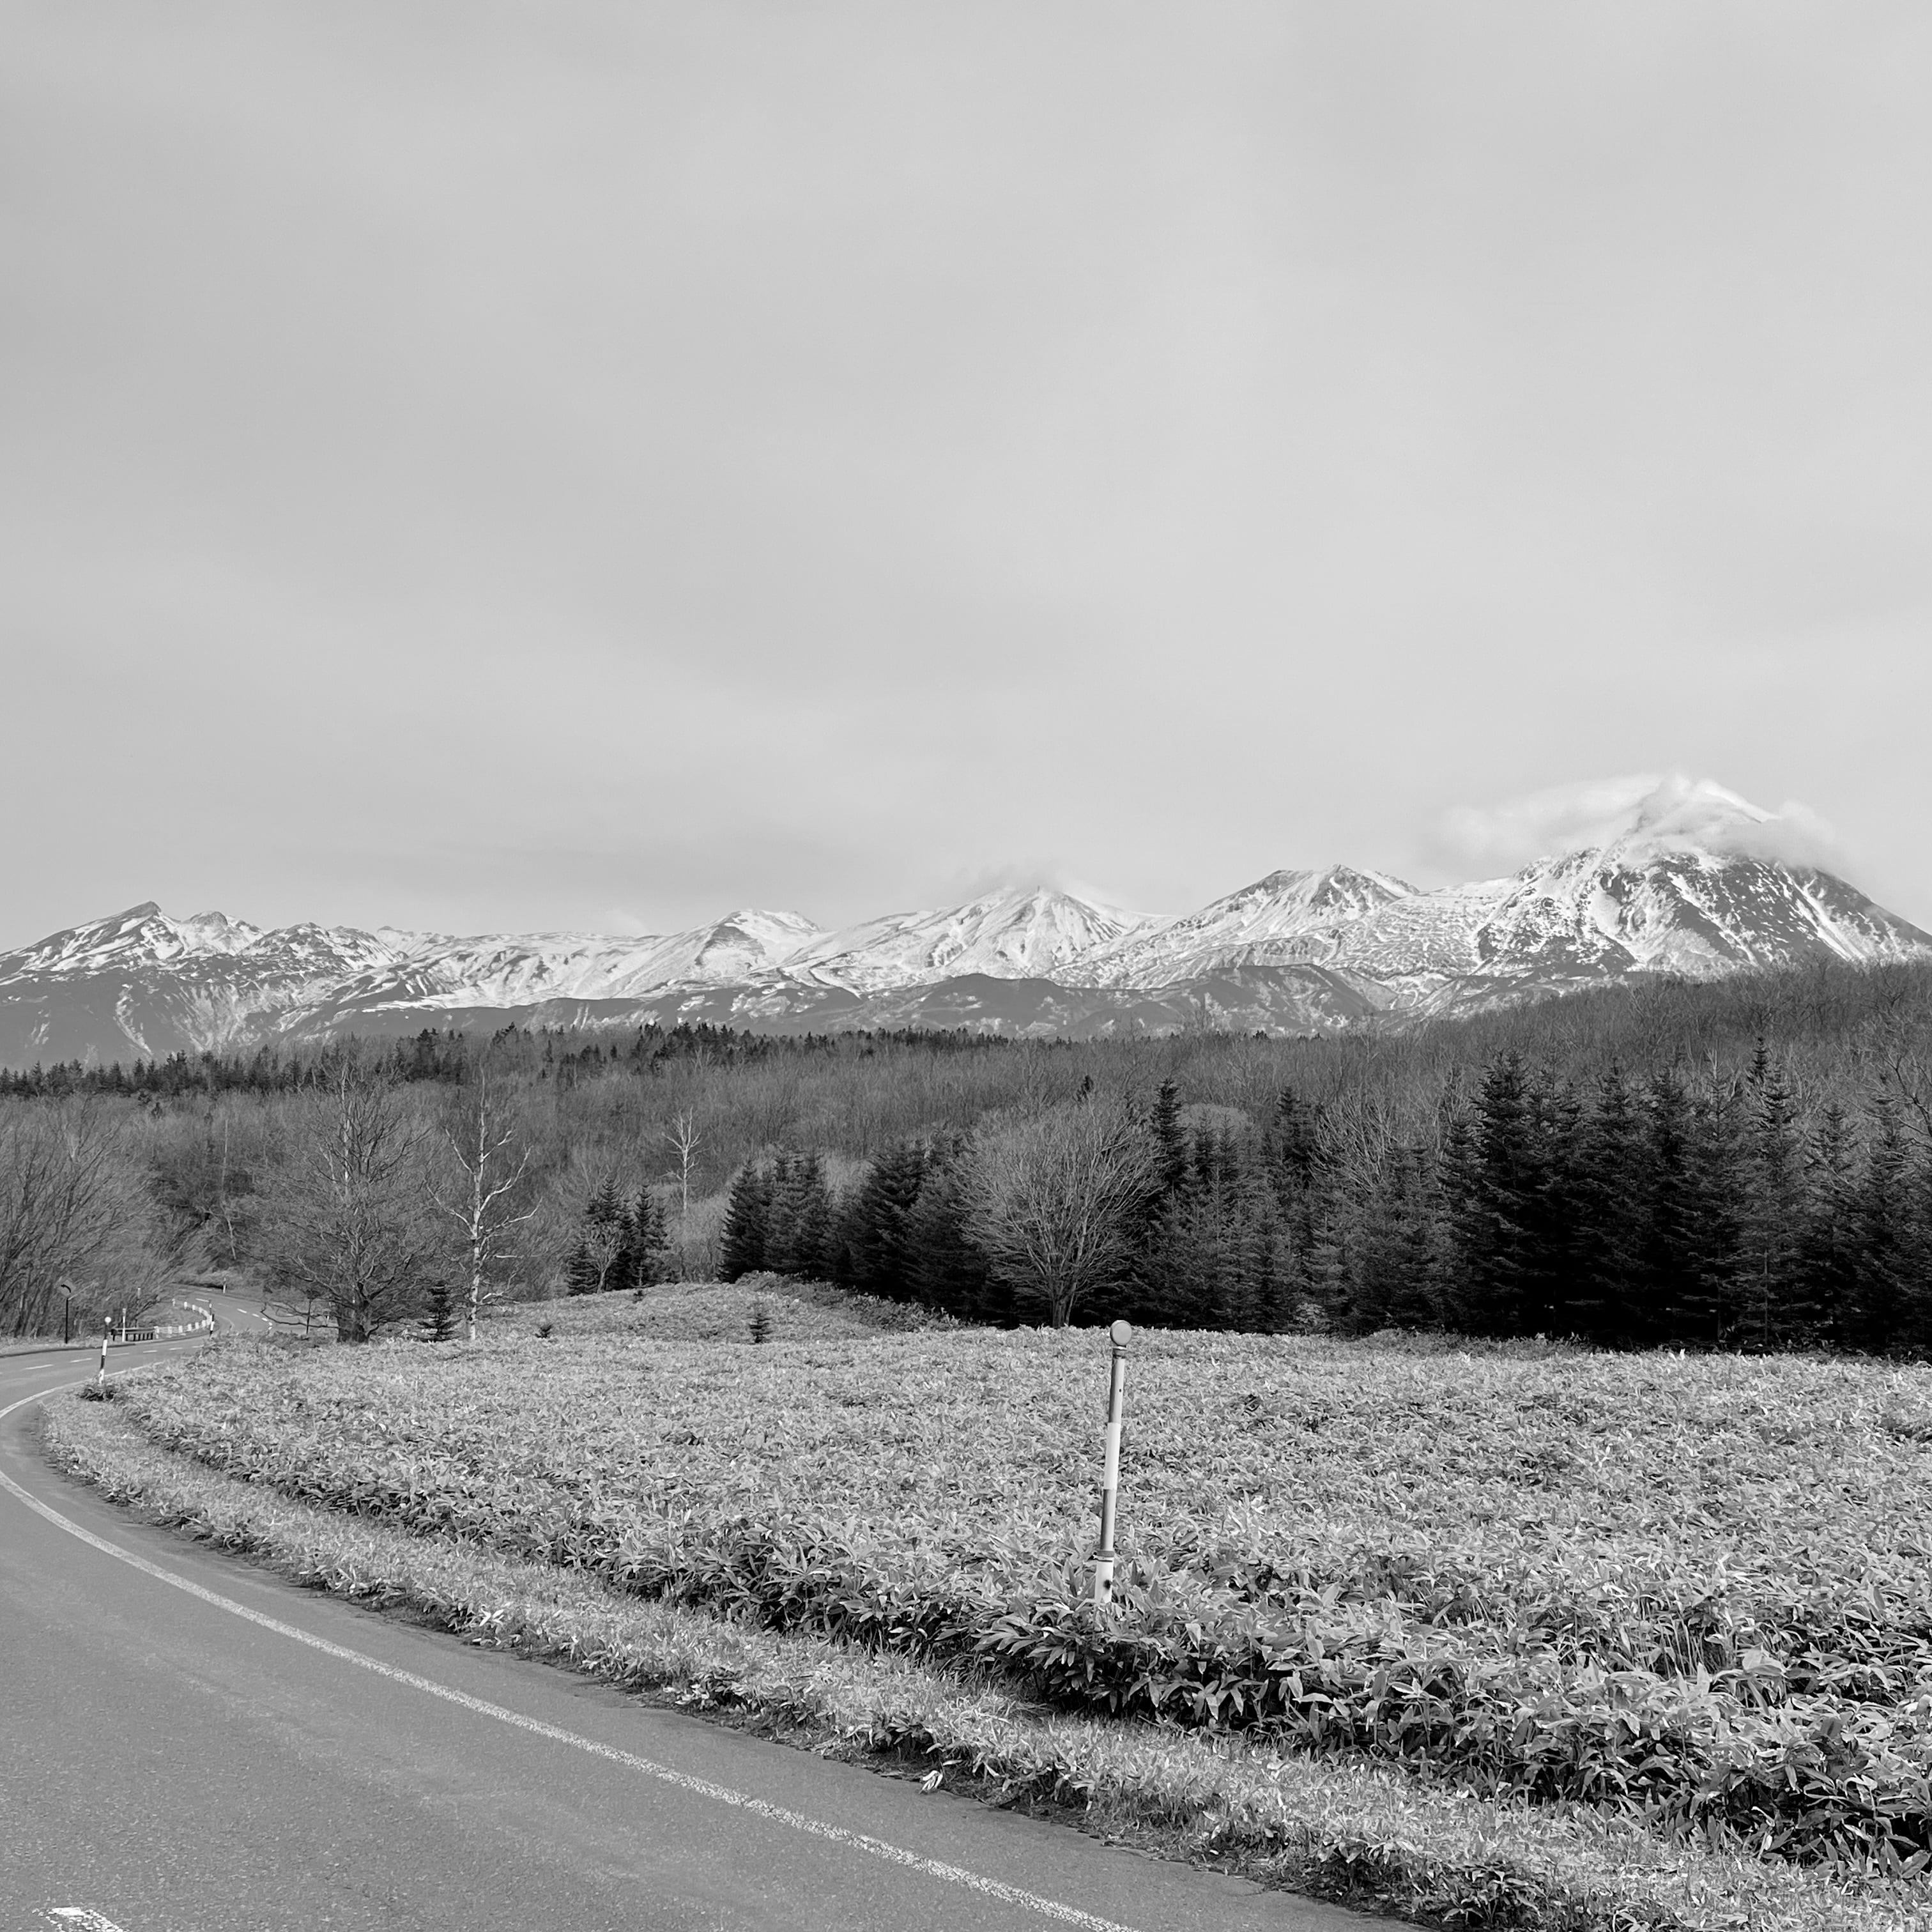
(501,465)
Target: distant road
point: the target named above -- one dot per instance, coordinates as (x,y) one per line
(233,1313)
(239,1754)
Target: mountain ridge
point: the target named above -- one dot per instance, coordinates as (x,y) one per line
(1691,887)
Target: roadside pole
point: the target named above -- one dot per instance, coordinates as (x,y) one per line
(106,1328)
(1110,1479)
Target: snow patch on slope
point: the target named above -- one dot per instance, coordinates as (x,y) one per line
(1020,933)
(1275,921)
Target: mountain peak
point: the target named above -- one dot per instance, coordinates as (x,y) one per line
(1271,921)
(1013,932)
(1671,876)
(1692,815)
(1629,824)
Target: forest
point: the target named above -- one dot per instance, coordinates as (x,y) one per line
(1745,1163)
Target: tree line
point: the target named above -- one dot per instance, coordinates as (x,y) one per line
(1671,1207)
(1741,1163)
(449,1055)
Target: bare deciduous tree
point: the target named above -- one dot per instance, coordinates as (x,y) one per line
(1894,1051)
(350,1218)
(72,1206)
(1052,1199)
(483,1206)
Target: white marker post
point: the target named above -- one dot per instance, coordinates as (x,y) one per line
(1110,1479)
(106,1328)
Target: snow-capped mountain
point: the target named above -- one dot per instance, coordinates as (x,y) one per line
(1693,884)
(435,970)
(1692,892)
(144,936)
(138,983)
(1018,934)
(1267,923)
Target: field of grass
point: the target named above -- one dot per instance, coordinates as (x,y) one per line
(1691,1594)
(718,1312)
(1336,1826)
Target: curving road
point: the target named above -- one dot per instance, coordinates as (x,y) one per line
(233,1313)
(189,1744)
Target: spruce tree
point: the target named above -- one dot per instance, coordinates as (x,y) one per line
(1170,1139)
(742,1245)
(1465,1233)
(1557,1300)
(1499,1190)
(1769,1205)
(1267,1262)
(1609,1210)
(948,1272)
(798,1218)
(1395,1271)
(1823,1290)
(1714,1238)
(648,1235)
(1184,1275)
(1912,1330)
(1294,1148)
(597,1258)
(439,1319)
(1667,1302)
(1887,1258)
(815,1225)
(874,1232)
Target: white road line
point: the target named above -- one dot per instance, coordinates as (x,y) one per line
(76,1914)
(701,1787)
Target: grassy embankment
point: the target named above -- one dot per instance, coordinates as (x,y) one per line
(1509,1637)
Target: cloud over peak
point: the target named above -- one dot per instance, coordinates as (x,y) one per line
(1644,813)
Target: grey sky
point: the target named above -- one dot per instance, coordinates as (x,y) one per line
(493,465)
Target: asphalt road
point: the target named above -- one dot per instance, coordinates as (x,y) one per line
(232,1313)
(238,1753)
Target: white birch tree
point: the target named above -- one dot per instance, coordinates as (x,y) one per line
(483,1205)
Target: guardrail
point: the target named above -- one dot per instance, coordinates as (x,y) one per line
(169,1331)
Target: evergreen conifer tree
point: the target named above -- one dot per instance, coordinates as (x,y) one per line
(1815,1308)
(1395,1272)
(603,1238)
(1170,1140)
(1769,1195)
(439,1312)
(647,1236)
(948,1272)
(1666,1303)
(798,1218)
(875,1221)
(1556,1297)
(1497,1207)
(1609,1210)
(1886,1259)
(742,1247)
